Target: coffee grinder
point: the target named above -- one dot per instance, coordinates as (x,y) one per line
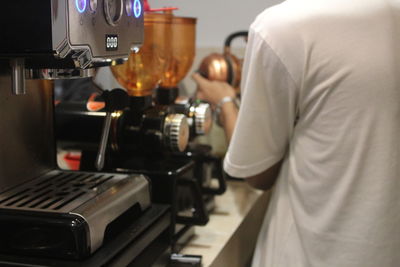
(50,217)
(208,167)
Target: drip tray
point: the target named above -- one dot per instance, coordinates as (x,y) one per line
(58,191)
(75,206)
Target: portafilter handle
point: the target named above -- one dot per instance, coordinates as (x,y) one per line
(115,100)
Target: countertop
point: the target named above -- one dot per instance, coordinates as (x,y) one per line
(229,237)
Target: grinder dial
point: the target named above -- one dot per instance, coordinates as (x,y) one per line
(176,129)
(113,10)
(202,118)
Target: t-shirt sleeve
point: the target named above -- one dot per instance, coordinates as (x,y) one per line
(267,113)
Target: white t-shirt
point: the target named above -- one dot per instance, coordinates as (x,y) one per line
(321,90)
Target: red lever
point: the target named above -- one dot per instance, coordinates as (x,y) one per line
(147,8)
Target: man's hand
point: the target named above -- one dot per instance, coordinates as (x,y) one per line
(212,91)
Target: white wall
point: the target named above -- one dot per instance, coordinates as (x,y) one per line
(217,18)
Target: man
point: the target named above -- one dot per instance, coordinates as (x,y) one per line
(320,114)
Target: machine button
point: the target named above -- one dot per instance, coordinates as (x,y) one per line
(129,7)
(137,8)
(93,5)
(80,5)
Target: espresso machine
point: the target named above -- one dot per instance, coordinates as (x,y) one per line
(53,217)
(147,138)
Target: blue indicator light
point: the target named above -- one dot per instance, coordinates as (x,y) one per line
(80,5)
(137,8)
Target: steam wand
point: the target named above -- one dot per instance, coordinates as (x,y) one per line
(18,76)
(115,100)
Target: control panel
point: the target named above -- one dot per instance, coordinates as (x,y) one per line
(109,27)
(78,33)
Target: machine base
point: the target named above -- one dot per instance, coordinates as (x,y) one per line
(151,229)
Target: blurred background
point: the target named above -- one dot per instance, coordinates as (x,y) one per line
(216,19)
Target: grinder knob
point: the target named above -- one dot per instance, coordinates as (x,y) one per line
(176,129)
(202,118)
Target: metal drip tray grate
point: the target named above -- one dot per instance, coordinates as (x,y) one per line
(57,191)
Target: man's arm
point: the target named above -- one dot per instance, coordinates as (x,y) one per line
(265,123)
(266,179)
(228,117)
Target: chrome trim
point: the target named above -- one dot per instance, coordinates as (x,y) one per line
(59,22)
(18,76)
(56,74)
(176,132)
(202,118)
(114,130)
(107,14)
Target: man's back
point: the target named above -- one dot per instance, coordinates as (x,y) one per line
(337,199)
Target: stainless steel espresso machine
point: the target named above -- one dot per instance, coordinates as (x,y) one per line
(50,217)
